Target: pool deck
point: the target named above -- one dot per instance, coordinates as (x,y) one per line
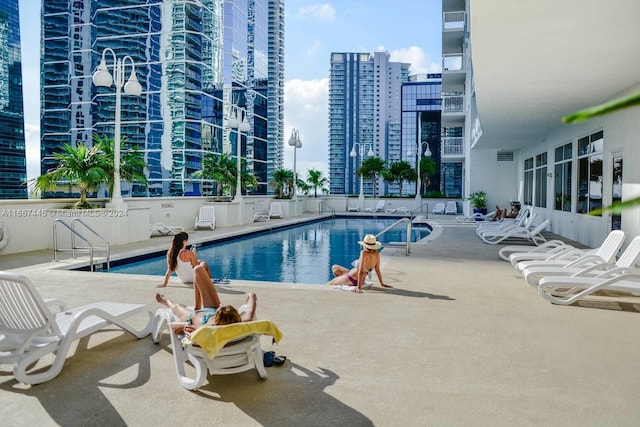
(461,340)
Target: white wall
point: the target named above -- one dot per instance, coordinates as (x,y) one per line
(621,134)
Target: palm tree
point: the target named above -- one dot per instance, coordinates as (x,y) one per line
(132,164)
(248,180)
(399,172)
(315,180)
(219,168)
(371,168)
(79,166)
(427,168)
(281,178)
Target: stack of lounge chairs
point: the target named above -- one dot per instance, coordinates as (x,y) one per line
(564,274)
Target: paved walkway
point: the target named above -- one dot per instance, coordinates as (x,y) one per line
(460,341)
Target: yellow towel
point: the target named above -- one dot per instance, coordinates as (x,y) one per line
(213,338)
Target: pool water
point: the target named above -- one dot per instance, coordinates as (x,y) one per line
(300,254)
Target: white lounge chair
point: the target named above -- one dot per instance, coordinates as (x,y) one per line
(492,228)
(353,207)
(206,218)
(438,208)
(260,213)
(546,249)
(164,229)
(275,210)
(219,350)
(524,217)
(519,233)
(567,290)
(586,266)
(401,210)
(379,207)
(452,208)
(476,217)
(30,330)
(606,252)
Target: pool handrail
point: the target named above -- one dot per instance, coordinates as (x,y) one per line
(408,222)
(321,204)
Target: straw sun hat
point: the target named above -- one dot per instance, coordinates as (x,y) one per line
(370,242)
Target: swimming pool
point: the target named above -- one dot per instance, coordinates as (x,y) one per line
(300,254)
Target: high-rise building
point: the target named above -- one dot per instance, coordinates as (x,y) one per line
(194,61)
(12,142)
(421,115)
(458,100)
(364,116)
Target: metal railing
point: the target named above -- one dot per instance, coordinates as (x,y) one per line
(455,20)
(420,209)
(395,224)
(75,247)
(322,204)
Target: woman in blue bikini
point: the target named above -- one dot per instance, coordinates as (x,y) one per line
(369,260)
(207,311)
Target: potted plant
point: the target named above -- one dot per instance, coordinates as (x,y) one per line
(479,201)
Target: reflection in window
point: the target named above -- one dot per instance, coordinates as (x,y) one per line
(541,180)
(590,178)
(562,184)
(528,182)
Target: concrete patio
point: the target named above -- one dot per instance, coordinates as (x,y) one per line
(461,340)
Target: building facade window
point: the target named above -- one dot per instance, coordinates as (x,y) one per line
(562,184)
(528,182)
(590,179)
(541,181)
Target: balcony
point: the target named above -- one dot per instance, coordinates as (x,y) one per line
(455,20)
(453,147)
(453,62)
(453,104)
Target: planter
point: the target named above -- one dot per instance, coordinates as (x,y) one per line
(482,211)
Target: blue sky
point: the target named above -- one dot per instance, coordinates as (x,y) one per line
(408,29)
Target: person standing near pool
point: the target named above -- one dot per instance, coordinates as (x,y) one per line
(181,260)
(369,260)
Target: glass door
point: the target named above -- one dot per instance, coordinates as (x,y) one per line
(616,193)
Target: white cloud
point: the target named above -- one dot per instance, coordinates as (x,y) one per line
(306,109)
(319,12)
(419,60)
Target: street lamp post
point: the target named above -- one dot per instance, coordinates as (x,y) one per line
(240,124)
(361,147)
(103,78)
(427,153)
(295,142)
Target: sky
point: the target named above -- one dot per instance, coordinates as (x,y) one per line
(410,30)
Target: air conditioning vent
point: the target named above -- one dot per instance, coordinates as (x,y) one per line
(505,156)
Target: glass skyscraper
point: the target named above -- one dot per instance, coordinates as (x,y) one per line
(193,59)
(12,142)
(421,123)
(364,116)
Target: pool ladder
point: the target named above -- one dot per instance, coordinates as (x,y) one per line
(322,205)
(90,248)
(395,224)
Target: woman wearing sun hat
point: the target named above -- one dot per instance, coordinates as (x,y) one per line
(369,260)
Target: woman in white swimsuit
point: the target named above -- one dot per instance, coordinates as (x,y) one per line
(181,260)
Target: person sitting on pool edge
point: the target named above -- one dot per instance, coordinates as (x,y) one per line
(181,260)
(369,260)
(208,310)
